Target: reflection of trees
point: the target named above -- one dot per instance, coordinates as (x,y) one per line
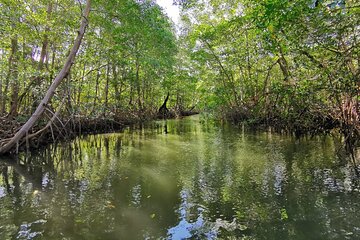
(222,183)
(5,175)
(84,189)
(287,190)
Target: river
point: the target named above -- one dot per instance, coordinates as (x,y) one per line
(182,179)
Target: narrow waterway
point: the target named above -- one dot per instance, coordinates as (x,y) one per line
(181,179)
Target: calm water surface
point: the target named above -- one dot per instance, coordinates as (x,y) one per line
(197,181)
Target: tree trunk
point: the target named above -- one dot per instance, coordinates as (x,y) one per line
(137,79)
(5,94)
(14,74)
(96,91)
(107,88)
(80,85)
(115,83)
(163,110)
(1,95)
(51,91)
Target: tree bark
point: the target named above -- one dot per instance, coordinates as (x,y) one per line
(14,74)
(51,91)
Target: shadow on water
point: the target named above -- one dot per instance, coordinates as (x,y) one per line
(182,179)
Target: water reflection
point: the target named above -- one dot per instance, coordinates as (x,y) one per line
(180,179)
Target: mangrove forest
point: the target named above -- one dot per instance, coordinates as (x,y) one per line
(179,119)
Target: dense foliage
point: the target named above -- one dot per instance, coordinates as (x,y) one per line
(295,62)
(123,65)
(288,63)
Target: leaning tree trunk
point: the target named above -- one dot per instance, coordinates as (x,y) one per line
(51,91)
